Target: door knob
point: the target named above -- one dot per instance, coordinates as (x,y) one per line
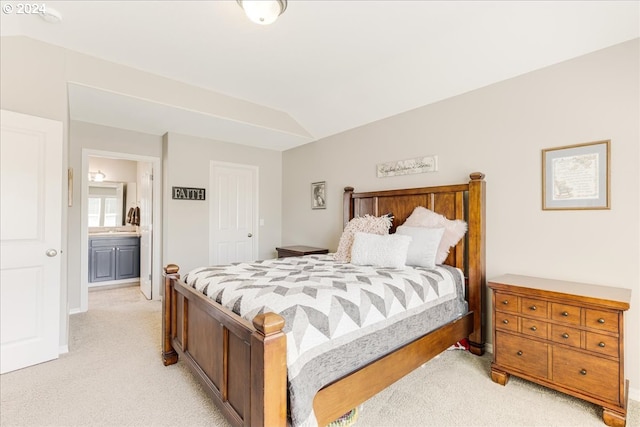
(249,235)
(51,253)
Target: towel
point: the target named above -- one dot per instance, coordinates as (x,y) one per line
(136,216)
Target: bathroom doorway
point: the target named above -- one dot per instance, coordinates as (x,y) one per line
(120,232)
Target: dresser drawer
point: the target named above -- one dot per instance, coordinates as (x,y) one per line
(506,302)
(590,374)
(533,307)
(565,335)
(602,319)
(506,321)
(603,344)
(565,313)
(569,337)
(535,327)
(522,354)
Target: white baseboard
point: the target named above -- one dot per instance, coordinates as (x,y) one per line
(76,311)
(63,349)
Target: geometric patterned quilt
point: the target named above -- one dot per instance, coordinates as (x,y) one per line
(335,313)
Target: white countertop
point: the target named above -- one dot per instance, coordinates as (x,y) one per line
(115,234)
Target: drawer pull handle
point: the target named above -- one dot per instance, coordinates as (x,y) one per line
(519,353)
(505,321)
(583,372)
(601,320)
(534,328)
(533,307)
(565,335)
(601,344)
(505,302)
(565,314)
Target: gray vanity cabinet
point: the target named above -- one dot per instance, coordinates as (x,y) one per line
(114,258)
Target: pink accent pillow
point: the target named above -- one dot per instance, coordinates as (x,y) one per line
(366,224)
(454,230)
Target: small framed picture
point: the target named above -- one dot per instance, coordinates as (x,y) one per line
(576,176)
(318,195)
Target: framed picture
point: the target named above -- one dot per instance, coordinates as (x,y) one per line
(576,176)
(318,198)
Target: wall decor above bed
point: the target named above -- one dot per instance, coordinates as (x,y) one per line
(404,167)
(576,176)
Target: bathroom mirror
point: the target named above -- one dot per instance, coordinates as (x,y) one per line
(105,206)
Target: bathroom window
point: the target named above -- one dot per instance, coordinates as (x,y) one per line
(105,205)
(94,211)
(103,211)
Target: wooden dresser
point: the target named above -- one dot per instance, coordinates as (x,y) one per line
(564,335)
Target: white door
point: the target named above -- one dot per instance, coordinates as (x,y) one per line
(30,234)
(233,196)
(145,198)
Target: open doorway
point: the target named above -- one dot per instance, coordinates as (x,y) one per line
(126,246)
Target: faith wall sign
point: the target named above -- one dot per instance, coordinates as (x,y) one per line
(187,193)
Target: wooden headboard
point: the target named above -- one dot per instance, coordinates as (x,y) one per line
(457,201)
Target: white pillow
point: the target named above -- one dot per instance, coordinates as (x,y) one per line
(366,224)
(424,245)
(386,250)
(454,230)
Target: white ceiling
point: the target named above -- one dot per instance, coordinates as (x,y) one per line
(330,65)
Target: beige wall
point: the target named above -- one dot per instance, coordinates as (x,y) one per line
(500,130)
(186,223)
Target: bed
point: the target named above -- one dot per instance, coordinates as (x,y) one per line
(243,364)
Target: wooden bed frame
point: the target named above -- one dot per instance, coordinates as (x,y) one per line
(242,364)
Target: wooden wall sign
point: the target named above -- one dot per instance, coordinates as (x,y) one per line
(187,193)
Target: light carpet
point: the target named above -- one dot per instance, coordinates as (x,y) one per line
(113,376)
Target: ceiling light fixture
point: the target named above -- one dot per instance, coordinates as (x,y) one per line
(263,12)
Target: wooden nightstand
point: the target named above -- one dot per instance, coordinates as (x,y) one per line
(287,251)
(564,335)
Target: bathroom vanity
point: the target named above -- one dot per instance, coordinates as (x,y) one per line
(114,256)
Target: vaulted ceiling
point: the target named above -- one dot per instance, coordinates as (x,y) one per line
(329,65)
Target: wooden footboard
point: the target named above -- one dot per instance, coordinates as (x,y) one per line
(241,365)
